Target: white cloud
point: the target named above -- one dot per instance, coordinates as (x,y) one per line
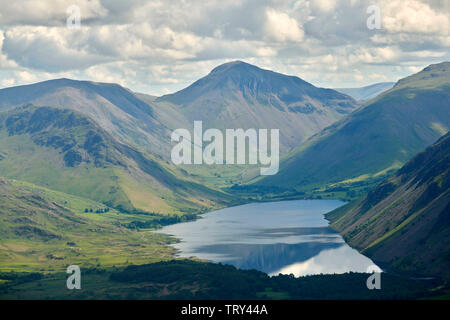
(324,5)
(47,13)
(49,48)
(8,82)
(281,27)
(4,61)
(414,16)
(165,45)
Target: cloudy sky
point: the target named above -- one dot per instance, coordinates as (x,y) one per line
(159,47)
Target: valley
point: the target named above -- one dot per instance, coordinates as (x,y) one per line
(86,177)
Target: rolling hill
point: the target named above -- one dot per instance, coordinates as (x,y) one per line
(375,139)
(404,224)
(241,95)
(45,230)
(368,92)
(66,151)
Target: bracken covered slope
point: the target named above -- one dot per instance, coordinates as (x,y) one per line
(404,224)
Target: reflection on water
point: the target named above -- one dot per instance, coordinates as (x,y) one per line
(274,237)
(337,260)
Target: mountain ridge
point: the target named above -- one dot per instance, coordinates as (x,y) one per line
(377,138)
(115,108)
(232,95)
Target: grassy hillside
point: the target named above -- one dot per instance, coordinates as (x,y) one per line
(115,109)
(404,223)
(45,231)
(374,140)
(66,151)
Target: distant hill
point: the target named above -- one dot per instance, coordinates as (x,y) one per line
(241,95)
(378,138)
(233,95)
(367,92)
(116,109)
(404,223)
(66,151)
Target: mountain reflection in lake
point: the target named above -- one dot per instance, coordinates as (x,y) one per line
(274,237)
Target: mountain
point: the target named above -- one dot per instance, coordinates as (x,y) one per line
(404,223)
(116,109)
(66,151)
(233,95)
(368,92)
(240,95)
(375,139)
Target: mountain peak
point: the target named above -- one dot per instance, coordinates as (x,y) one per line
(396,124)
(431,76)
(236,65)
(239,79)
(50,92)
(242,95)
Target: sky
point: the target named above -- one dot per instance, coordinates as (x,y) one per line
(158,47)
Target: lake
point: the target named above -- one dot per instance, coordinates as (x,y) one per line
(273,237)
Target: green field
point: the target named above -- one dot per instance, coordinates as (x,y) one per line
(46,230)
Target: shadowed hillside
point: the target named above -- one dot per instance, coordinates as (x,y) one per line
(404,223)
(116,109)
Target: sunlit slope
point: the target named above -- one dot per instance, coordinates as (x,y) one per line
(45,230)
(66,151)
(405,222)
(375,139)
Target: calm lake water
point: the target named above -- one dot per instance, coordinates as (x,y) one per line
(274,237)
